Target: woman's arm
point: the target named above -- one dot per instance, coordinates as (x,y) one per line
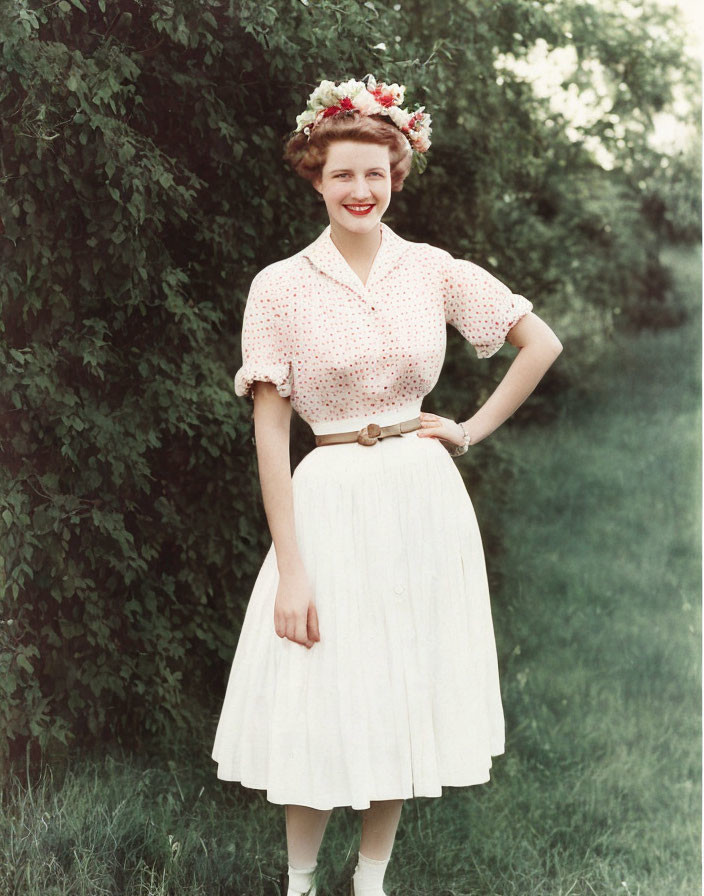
(295,615)
(538,348)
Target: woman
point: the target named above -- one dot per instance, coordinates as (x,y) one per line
(366,672)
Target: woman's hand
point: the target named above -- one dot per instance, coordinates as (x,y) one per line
(295,616)
(435,427)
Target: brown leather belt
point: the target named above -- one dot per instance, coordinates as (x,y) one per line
(369,434)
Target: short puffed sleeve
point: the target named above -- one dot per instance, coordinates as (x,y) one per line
(479,305)
(266,339)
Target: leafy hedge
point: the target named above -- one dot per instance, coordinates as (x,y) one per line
(142,189)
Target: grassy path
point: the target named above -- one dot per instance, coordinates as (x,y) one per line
(597,618)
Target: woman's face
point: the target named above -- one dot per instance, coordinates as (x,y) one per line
(356,185)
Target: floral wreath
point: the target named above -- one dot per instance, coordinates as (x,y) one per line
(369,98)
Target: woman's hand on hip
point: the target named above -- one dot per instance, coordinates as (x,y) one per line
(436,427)
(295,615)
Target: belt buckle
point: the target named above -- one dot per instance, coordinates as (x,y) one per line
(369,434)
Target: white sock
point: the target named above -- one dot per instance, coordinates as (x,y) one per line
(369,876)
(300,881)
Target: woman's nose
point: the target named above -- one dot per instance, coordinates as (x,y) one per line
(360,189)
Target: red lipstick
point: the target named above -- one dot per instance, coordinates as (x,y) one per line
(360,210)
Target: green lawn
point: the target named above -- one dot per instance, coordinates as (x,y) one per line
(597,614)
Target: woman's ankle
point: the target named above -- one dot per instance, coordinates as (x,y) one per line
(300,881)
(369,876)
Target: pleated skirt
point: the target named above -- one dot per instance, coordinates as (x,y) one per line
(400,697)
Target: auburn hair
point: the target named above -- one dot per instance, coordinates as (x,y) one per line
(307,157)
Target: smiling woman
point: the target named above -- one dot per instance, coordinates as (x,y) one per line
(366,669)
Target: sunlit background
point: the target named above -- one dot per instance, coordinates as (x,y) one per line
(547,70)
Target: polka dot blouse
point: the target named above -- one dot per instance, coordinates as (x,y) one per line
(346,352)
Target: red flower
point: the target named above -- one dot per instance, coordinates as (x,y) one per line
(384,99)
(345,105)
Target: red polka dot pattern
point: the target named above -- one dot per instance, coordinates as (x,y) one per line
(339,348)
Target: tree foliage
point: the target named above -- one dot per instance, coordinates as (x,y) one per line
(143,187)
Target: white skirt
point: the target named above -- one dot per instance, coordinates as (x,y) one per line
(400,696)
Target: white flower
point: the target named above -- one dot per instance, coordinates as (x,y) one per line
(304,119)
(366,103)
(400,117)
(398,91)
(323,96)
(419,140)
(350,89)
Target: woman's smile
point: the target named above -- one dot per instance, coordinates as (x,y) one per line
(360,209)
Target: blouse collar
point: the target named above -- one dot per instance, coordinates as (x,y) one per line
(325,255)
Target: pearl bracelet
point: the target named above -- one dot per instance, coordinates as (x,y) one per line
(464,447)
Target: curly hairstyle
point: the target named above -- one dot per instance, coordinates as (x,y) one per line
(307,157)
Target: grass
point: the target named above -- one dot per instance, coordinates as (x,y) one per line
(598,618)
